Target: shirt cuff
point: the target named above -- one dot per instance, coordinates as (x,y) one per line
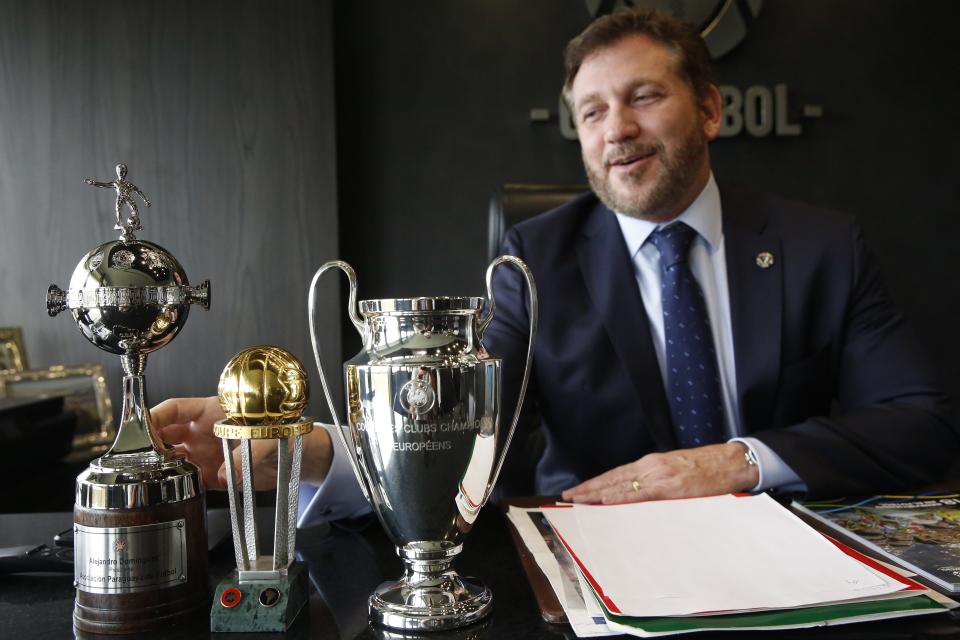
(338,496)
(774,472)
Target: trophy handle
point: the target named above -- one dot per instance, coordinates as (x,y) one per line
(359,325)
(482,327)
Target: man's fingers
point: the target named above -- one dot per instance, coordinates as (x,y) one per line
(174,433)
(598,485)
(177,411)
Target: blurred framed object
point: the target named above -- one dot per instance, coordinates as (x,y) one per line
(84,389)
(13,356)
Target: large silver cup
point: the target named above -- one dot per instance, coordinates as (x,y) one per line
(424,437)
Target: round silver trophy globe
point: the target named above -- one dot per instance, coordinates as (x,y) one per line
(425,440)
(128,297)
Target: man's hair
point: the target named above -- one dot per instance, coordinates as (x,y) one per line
(681,37)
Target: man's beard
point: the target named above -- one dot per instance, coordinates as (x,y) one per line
(678,173)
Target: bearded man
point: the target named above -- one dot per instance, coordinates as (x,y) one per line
(695,339)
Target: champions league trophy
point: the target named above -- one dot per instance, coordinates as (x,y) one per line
(424,440)
(140,542)
(263,391)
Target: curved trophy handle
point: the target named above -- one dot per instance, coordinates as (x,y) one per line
(359,325)
(482,327)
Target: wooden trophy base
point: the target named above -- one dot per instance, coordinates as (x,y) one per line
(159,601)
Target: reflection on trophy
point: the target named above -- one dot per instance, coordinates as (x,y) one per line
(423,410)
(140,543)
(263,391)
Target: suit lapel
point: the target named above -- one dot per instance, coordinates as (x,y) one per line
(609,275)
(756,307)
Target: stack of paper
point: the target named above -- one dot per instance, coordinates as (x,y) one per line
(724,562)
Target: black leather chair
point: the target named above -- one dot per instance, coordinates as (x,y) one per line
(513,203)
(510,204)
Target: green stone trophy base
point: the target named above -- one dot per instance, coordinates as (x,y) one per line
(249,614)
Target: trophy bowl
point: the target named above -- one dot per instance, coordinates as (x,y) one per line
(423,412)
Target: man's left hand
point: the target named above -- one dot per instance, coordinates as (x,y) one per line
(684,473)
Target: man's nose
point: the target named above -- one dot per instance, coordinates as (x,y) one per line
(621,124)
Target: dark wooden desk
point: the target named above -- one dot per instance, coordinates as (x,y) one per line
(344,567)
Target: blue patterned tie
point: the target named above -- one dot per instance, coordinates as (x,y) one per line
(693,381)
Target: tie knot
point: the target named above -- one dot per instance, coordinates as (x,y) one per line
(673,243)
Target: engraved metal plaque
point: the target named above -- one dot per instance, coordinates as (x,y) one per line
(130,559)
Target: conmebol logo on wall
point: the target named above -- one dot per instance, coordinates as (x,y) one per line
(758,110)
(722,23)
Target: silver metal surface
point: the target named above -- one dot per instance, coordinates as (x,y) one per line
(125,192)
(359,324)
(131,297)
(103,487)
(423,408)
(130,559)
(294,492)
(282,515)
(236,510)
(249,501)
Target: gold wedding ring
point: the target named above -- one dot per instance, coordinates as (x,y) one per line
(636,485)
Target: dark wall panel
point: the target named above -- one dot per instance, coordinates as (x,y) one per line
(433,103)
(224,113)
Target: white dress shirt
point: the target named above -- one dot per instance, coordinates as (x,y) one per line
(709,266)
(338,496)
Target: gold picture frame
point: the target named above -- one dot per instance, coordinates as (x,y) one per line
(13,355)
(84,388)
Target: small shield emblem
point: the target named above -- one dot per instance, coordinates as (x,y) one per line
(764,259)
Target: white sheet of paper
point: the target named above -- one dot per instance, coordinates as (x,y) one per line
(702,555)
(586,621)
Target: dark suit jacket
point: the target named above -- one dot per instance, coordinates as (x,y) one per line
(828,374)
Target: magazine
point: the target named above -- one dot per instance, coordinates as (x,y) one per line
(919,532)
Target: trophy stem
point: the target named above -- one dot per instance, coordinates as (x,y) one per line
(136,441)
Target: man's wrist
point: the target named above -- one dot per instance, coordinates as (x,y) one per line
(317,456)
(747,466)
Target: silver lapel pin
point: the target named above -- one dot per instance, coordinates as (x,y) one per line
(764,259)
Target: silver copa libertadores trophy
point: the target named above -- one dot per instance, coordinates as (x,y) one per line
(140,543)
(424,439)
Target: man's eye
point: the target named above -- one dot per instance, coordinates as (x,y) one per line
(644,98)
(590,115)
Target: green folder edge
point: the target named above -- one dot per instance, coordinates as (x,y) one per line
(805,616)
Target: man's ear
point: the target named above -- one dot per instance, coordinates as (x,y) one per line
(711,105)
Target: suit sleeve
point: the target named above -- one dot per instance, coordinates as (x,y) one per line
(893,427)
(506,338)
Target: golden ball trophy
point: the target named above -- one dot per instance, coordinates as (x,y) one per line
(140,539)
(263,391)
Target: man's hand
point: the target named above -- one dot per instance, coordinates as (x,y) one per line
(187,424)
(684,473)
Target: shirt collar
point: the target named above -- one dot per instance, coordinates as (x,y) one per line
(703,215)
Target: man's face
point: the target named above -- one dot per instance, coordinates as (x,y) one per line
(643,132)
